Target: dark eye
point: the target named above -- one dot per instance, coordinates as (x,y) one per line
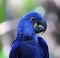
(32,18)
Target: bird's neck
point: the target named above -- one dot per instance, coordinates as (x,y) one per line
(26,32)
(27,38)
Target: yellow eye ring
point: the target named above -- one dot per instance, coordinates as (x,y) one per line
(32,18)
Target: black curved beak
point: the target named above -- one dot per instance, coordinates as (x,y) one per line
(41,26)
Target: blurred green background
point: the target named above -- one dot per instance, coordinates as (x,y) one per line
(12,10)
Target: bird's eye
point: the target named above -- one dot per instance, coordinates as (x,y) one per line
(32,18)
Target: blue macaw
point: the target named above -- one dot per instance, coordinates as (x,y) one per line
(27,44)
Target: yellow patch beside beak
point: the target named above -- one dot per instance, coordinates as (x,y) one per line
(35,25)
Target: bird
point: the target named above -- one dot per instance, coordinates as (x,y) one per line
(27,43)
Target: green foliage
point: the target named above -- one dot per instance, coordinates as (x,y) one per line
(2,10)
(0,44)
(30,4)
(2,54)
(27,6)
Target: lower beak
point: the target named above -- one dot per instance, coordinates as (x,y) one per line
(39,29)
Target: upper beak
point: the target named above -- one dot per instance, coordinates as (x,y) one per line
(41,27)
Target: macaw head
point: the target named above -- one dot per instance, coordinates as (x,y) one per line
(32,23)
